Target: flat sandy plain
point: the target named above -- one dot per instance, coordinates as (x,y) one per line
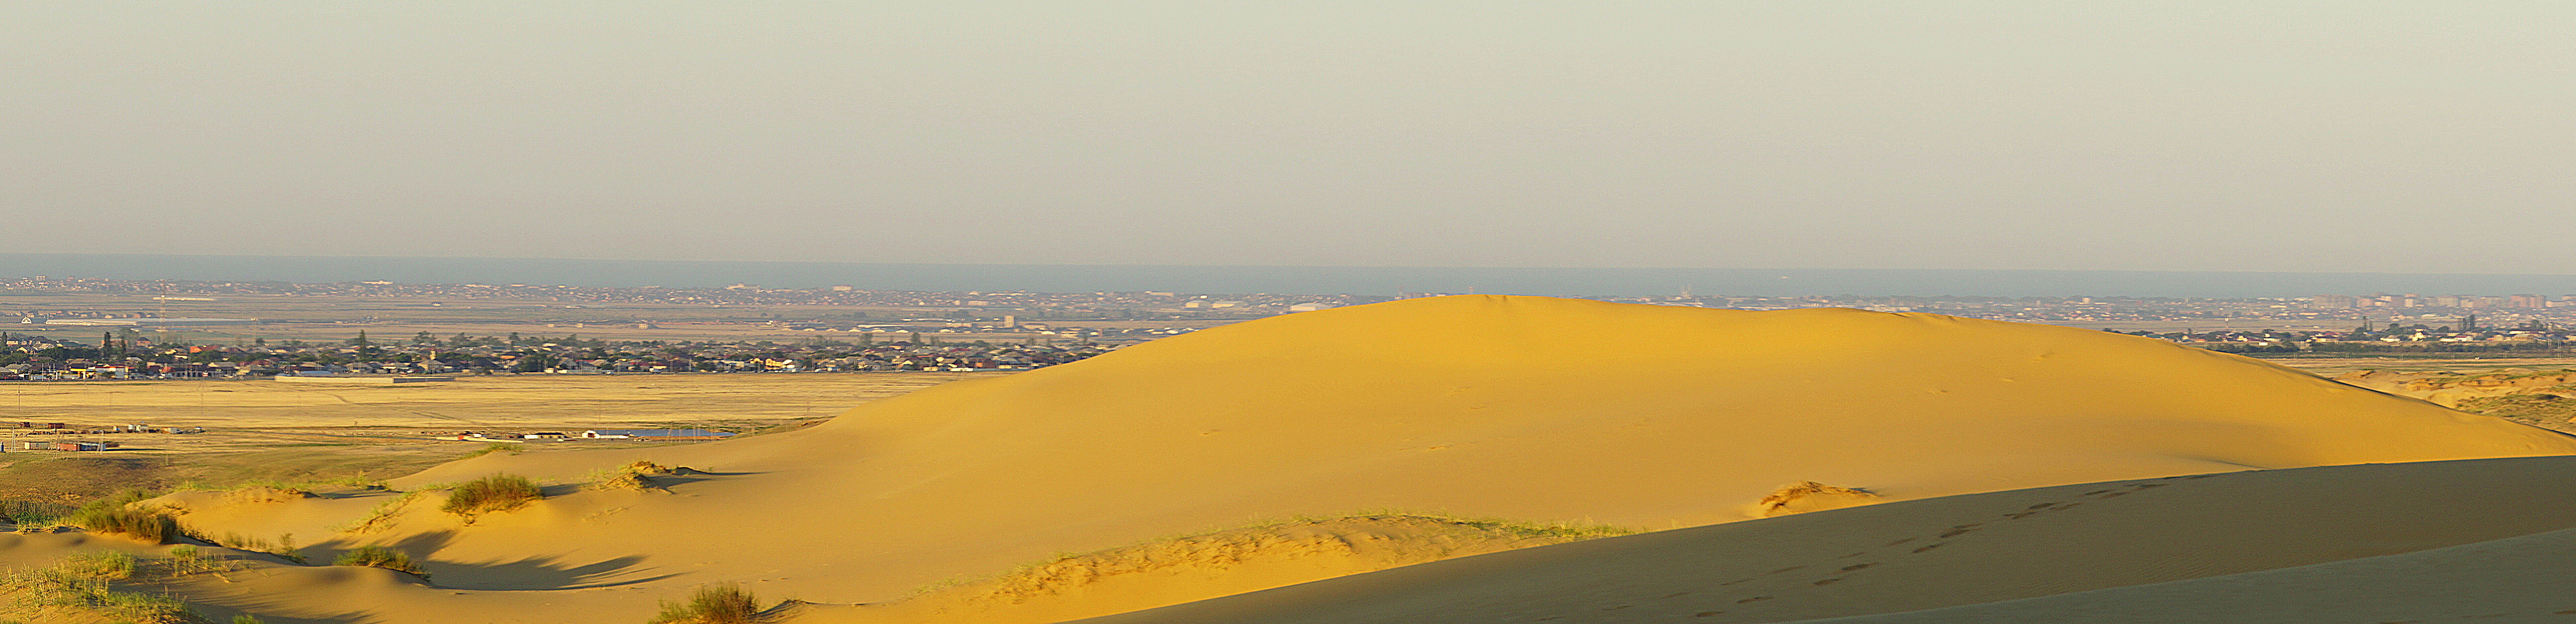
(260,429)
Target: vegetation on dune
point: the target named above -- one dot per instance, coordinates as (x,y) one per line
(634,476)
(31,514)
(283,547)
(496,447)
(382,557)
(722,603)
(118,514)
(1232,545)
(2529,408)
(492,493)
(80,584)
(109,565)
(382,516)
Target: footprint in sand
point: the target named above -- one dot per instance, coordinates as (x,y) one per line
(1753,599)
(1829,581)
(1706,613)
(1930,547)
(1849,568)
(1676,594)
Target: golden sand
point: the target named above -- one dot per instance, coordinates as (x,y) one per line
(1469,405)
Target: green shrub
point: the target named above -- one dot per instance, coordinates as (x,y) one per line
(382,557)
(245,619)
(33,513)
(500,492)
(722,603)
(116,514)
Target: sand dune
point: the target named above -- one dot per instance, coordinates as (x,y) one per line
(1657,418)
(2302,545)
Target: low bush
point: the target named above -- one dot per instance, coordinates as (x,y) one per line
(382,557)
(33,513)
(500,492)
(722,603)
(117,514)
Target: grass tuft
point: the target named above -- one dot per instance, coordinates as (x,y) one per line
(722,603)
(492,493)
(107,564)
(382,557)
(80,584)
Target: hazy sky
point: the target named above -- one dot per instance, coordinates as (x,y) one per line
(2183,135)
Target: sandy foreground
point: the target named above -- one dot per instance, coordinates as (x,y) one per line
(1348,458)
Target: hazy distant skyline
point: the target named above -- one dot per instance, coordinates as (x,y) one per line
(2178,136)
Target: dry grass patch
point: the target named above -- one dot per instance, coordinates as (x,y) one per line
(1390,538)
(636,476)
(80,585)
(492,493)
(722,603)
(496,447)
(2527,408)
(382,557)
(283,547)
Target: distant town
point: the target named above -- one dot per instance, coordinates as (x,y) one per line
(73,328)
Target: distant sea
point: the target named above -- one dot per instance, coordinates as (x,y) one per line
(1268,279)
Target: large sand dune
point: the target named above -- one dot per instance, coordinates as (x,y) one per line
(2373,543)
(1522,407)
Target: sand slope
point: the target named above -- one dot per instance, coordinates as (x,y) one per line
(2329,536)
(2519,579)
(1657,417)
